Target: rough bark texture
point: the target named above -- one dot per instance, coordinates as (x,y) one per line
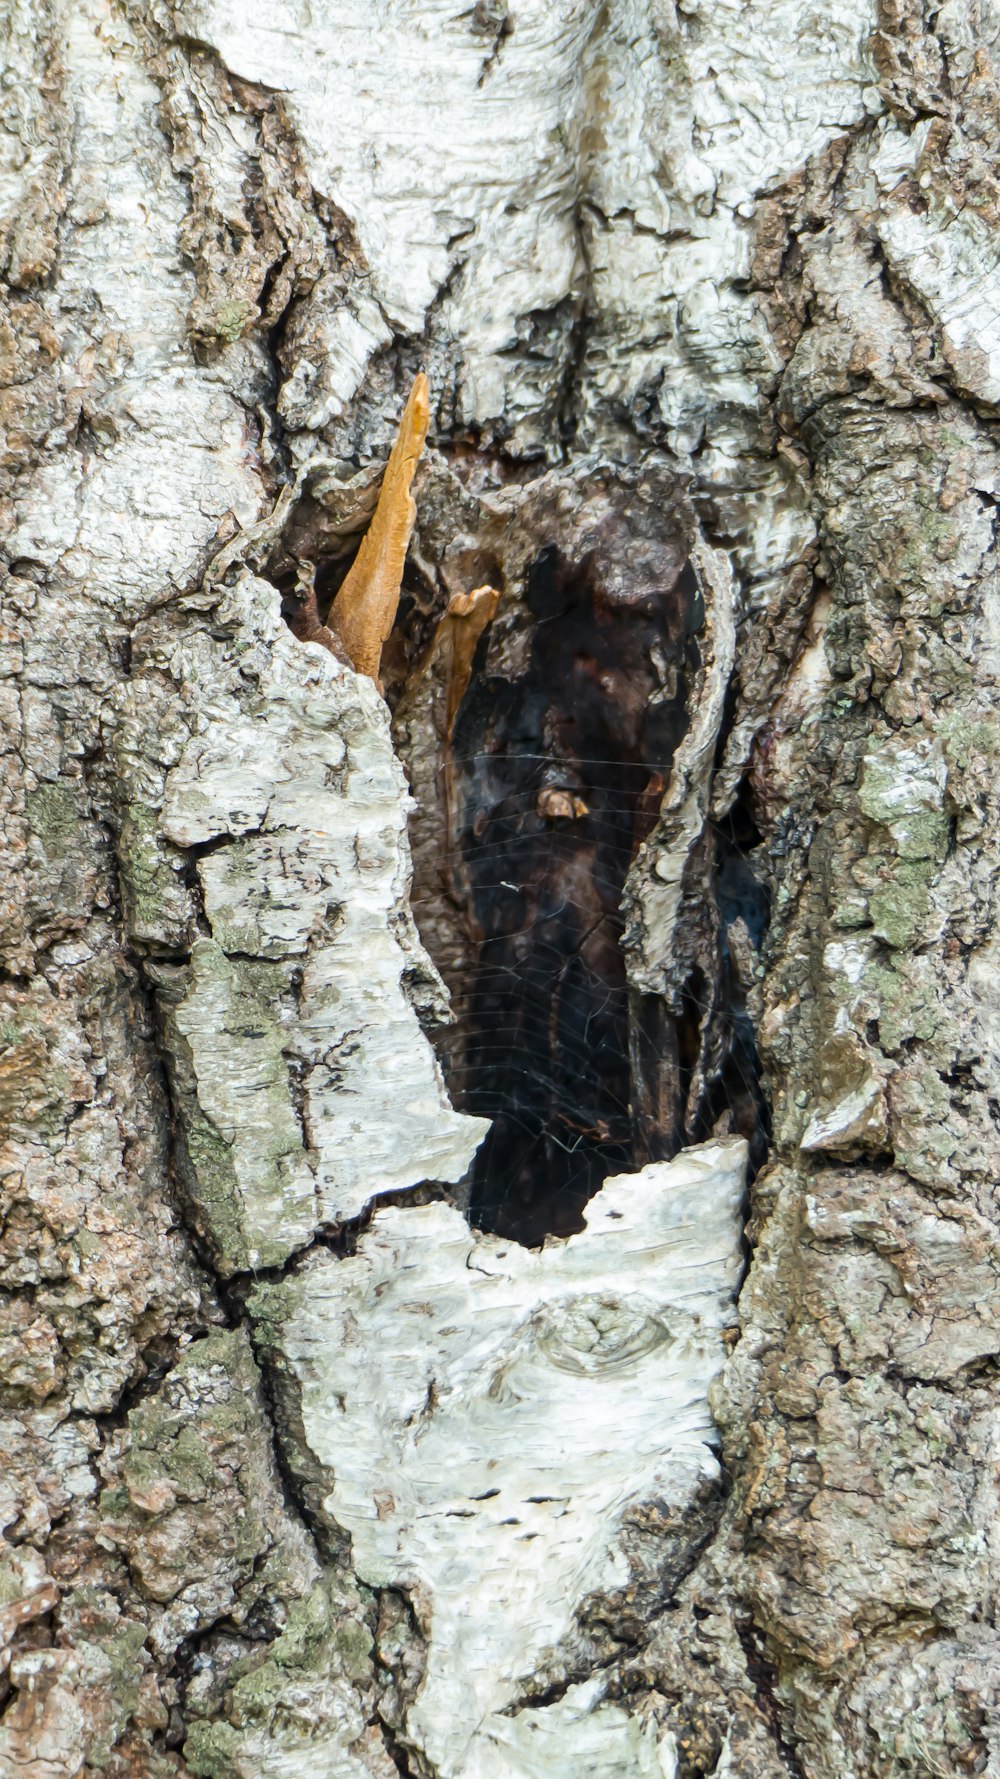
(302,1474)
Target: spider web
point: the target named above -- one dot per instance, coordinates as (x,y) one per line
(544,1040)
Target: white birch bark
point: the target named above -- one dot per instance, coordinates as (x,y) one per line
(301,1474)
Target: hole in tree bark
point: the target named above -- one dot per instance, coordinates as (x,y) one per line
(535,790)
(532,804)
(558,775)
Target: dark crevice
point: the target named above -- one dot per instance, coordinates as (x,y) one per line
(159,1359)
(763,1676)
(541,1697)
(579,340)
(340,1239)
(491,20)
(555,772)
(174,1191)
(151,1037)
(395,1750)
(732,1085)
(295,1489)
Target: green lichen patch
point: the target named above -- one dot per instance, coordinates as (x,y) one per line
(924,1138)
(902,793)
(212,1751)
(899,911)
(233,317)
(300,1703)
(63,856)
(158,908)
(904,1003)
(242,1159)
(902,789)
(197,1513)
(53,817)
(112,1667)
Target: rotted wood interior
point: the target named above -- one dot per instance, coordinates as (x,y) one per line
(553,728)
(537,715)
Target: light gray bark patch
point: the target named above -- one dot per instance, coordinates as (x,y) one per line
(605,170)
(304,1084)
(484,1416)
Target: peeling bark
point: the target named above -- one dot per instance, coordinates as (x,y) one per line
(707,302)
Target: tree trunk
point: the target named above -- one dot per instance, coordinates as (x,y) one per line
(398,1375)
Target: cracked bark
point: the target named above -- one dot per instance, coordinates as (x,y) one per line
(708,306)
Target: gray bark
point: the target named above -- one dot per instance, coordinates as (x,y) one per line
(302,1473)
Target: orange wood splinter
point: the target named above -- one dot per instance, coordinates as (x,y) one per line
(364,610)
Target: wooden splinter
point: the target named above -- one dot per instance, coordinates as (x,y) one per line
(364,610)
(457,636)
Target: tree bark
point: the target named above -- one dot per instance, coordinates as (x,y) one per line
(397,1374)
